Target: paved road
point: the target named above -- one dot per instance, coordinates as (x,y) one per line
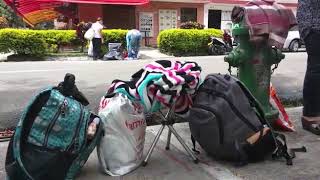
(20,81)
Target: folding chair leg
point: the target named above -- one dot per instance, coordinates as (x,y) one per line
(194,158)
(168,140)
(155,141)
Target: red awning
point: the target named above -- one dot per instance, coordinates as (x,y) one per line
(242,2)
(36,11)
(120,2)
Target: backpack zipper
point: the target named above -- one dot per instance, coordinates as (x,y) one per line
(74,142)
(218,118)
(61,110)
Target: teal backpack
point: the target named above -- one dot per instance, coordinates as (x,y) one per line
(50,140)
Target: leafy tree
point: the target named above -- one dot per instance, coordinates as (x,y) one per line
(3,22)
(191,25)
(12,18)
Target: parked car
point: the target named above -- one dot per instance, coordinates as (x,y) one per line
(293,41)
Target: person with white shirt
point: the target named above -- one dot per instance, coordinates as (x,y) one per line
(97,40)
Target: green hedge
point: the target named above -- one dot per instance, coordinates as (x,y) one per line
(56,38)
(22,42)
(41,42)
(115,36)
(186,42)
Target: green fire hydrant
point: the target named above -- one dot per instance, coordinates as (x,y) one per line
(254,62)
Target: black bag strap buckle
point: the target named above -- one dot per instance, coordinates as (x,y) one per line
(283,151)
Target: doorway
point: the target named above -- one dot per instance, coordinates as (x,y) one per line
(188,14)
(214,19)
(119,16)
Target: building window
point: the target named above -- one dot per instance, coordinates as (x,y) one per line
(167,19)
(226,16)
(188,14)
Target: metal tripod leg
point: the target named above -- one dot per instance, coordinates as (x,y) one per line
(155,141)
(166,118)
(195,159)
(168,140)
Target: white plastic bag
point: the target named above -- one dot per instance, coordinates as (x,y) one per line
(120,150)
(90,49)
(89,34)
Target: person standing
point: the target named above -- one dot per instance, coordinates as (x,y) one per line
(80,31)
(133,38)
(97,40)
(308,16)
(87,27)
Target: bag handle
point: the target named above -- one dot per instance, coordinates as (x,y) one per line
(69,88)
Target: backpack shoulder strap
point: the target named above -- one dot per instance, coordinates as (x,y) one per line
(253,101)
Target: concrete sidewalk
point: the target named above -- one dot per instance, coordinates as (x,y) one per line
(176,165)
(144,53)
(152,53)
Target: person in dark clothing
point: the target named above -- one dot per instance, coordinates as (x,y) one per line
(80,31)
(97,40)
(308,16)
(75,22)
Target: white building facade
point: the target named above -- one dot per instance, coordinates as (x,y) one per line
(217,13)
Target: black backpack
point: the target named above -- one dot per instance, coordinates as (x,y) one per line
(224,114)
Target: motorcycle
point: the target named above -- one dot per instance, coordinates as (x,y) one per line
(218,46)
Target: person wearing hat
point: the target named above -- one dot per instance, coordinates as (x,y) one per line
(97,40)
